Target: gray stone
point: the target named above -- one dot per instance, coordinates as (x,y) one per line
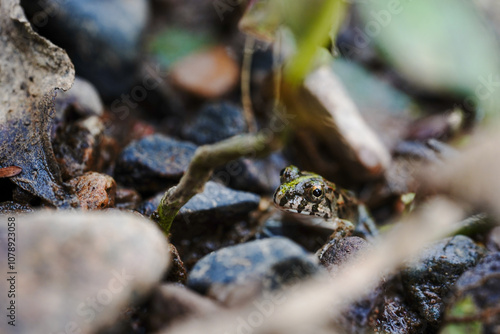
(234,274)
(153,163)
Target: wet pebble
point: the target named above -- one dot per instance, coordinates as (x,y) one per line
(339,252)
(217,203)
(153,163)
(127,198)
(430,278)
(95,190)
(215,122)
(481,286)
(233,274)
(79,270)
(172,303)
(82,98)
(77,146)
(256,175)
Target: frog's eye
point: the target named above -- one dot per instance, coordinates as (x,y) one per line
(317,192)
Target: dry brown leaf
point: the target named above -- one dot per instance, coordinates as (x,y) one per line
(10,171)
(31,68)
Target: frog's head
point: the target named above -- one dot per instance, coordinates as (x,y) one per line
(305,193)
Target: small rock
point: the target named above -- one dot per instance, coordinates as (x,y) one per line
(77,146)
(256,175)
(429,279)
(481,284)
(216,204)
(215,122)
(82,98)
(127,198)
(10,207)
(233,274)
(77,271)
(339,252)
(153,163)
(209,74)
(216,218)
(94,190)
(172,302)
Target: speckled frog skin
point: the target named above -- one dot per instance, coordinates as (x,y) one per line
(310,194)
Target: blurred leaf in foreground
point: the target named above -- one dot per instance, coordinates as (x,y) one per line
(442,46)
(174,44)
(312,23)
(463,309)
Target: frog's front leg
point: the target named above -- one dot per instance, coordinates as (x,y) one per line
(342,228)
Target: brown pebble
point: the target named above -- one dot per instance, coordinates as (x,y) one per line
(95,190)
(209,73)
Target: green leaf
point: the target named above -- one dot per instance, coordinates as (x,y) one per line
(442,46)
(173,44)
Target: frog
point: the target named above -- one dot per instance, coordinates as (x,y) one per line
(310,194)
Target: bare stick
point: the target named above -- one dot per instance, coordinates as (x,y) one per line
(246,98)
(206,158)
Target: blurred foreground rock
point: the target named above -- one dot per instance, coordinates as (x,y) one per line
(78,271)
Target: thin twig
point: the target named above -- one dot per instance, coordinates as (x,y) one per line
(205,159)
(246,69)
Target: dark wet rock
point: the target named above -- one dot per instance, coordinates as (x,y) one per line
(234,274)
(177,272)
(218,217)
(149,206)
(153,163)
(80,270)
(10,207)
(339,252)
(77,146)
(311,236)
(480,286)
(127,198)
(94,190)
(217,203)
(216,122)
(172,303)
(104,48)
(255,175)
(429,279)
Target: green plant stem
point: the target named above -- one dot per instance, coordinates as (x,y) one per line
(205,159)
